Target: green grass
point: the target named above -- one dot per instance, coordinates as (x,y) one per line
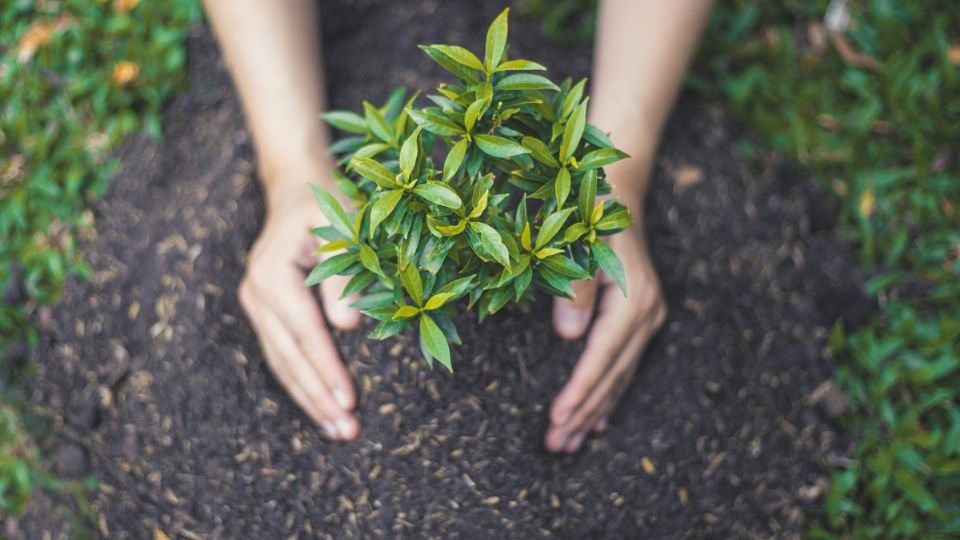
(883,142)
(63,109)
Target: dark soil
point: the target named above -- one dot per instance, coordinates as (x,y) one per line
(153,381)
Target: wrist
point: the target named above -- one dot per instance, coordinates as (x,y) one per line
(287,182)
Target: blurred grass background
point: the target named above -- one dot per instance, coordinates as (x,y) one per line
(871,109)
(76,76)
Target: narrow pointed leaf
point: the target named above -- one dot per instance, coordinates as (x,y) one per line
(454,159)
(561,187)
(350,122)
(334,212)
(377,124)
(410,279)
(373,170)
(551,226)
(588,194)
(601,158)
(519,65)
(435,122)
(492,242)
(496,40)
(330,267)
(434,341)
(460,55)
(369,259)
(439,193)
(500,147)
(573,132)
(409,153)
(608,261)
(539,151)
(525,81)
(383,207)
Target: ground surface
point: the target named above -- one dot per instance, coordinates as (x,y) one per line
(153,379)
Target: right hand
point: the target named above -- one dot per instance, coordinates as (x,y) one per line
(289,323)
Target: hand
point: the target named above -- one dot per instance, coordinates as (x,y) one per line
(622,329)
(288,321)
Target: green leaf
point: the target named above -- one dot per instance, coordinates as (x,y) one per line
(388,329)
(594,136)
(474,112)
(573,132)
(446,62)
(574,232)
(571,100)
(439,193)
(525,81)
(519,65)
(330,267)
(369,260)
(373,170)
(405,312)
(499,146)
(608,261)
(383,207)
(562,265)
(435,122)
(377,124)
(437,301)
(617,220)
(434,341)
(458,287)
(357,283)
(410,279)
(561,186)
(496,40)
(350,122)
(601,158)
(460,55)
(334,212)
(409,153)
(492,242)
(587,195)
(373,300)
(454,158)
(539,151)
(551,226)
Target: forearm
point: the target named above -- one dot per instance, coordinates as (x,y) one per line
(642,51)
(273,51)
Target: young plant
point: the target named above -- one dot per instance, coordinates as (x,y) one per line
(512,208)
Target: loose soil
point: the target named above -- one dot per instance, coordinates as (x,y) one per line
(154,384)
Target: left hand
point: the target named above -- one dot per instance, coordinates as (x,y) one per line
(619,335)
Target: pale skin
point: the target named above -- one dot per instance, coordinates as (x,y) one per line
(272,48)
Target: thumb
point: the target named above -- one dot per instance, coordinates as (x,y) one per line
(572,317)
(338,310)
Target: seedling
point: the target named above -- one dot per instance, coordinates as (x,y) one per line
(512,209)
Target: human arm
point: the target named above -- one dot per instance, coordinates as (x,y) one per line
(273,52)
(642,51)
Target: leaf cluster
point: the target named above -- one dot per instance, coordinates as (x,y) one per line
(489,193)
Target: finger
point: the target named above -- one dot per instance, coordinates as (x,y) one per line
(296,367)
(297,310)
(572,317)
(608,390)
(615,324)
(337,309)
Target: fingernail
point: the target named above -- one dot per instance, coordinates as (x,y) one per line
(344,427)
(331,429)
(574,443)
(571,320)
(341,398)
(601,424)
(561,444)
